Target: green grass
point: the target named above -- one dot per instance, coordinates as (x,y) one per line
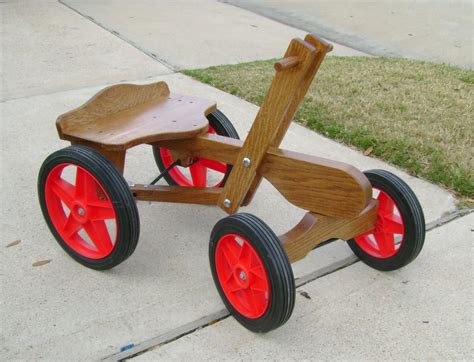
(416,115)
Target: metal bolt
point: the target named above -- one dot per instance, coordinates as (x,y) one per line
(81,211)
(227,203)
(242,275)
(246,161)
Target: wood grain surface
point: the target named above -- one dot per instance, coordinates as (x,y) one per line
(125,115)
(322,48)
(313,229)
(282,93)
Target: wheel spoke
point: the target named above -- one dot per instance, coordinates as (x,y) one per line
(198,174)
(229,276)
(214,165)
(229,256)
(232,286)
(245,255)
(385,242)
(97,231)
(100,210)
(64,190)
(393,224)
(365,241)
(259,284)
(385,204)
(71,226)
(366,234)
(86,187)
(254,298)
(252,301)
(258,272)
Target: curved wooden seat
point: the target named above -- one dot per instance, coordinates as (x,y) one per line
(125,115)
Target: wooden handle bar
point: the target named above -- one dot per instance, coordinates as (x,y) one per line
(286,63)
(318,43)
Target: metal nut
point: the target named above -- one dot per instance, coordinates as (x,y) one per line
(227,203)
(246,161)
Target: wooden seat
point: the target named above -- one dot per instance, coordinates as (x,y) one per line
(125,115)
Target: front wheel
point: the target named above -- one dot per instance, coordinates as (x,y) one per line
(88,207)
(252,272)
(399,232)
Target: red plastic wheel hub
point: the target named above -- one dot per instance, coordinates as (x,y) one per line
(198,170)
(242,276)
(78,211)
(386,239)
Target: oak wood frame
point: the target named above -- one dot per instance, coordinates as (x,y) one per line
(343,213)
(338,197)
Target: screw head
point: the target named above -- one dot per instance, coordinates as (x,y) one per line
(227,203)
(242,275)
(246,161)
(81,211)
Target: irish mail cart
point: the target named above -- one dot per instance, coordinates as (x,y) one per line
(92,213)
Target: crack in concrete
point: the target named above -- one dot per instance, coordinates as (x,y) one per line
(222,314)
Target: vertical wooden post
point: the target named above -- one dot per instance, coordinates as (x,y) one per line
(282,94)
(117,158)
(322,48)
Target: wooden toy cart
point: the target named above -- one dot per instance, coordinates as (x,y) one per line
(91,210)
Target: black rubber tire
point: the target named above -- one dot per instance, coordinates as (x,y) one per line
(128,224)
(413,220)
(277,265)
(223,127)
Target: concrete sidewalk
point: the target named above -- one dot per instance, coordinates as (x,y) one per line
(154,291)
(64,311)
(193,34)
(423,311)
(47,48)
(437,31)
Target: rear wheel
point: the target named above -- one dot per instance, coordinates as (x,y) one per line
(203,172)
(399,232)
(88,207)
(252,272)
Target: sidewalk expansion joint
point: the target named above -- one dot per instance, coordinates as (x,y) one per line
(450,216)
(170,336)
(222,314)
(121,37)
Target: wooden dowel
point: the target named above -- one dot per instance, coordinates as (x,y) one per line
(286,63)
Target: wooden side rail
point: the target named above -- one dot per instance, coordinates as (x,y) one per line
(313,229)
(176,194)
(215,147)
(316,184)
